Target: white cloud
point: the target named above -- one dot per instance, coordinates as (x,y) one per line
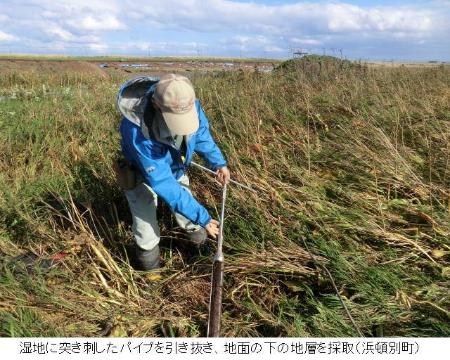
(7,37)
(301,17)
(99,23)
(59,33)
(273,49)
(305,41)
(98,47)
(244,25)
(76,6)
(72,15)
(166,47)
(248,44)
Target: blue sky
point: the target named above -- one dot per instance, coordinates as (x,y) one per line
(400,30)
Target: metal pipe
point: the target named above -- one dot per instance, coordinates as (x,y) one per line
(231,180)
(215,300)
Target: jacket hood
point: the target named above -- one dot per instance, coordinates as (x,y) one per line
(132,98)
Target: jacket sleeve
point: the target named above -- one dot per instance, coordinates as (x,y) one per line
(153,162)
(204,143)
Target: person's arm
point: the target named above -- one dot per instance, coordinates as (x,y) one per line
(205,145)
(152,160)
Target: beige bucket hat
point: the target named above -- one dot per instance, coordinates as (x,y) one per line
(175,96)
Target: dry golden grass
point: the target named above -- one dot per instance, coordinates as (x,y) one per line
(354,159)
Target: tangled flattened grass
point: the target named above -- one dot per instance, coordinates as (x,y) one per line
(354,159)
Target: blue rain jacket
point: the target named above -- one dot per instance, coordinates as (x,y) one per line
(161,164)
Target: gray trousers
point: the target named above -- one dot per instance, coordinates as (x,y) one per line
(143,202)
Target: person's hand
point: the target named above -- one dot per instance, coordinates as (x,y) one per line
(223,175)
(212,228)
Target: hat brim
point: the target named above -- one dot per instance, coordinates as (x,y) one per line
(182,124)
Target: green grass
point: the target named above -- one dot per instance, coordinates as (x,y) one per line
(353,159)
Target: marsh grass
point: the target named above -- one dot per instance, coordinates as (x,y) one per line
(353,159)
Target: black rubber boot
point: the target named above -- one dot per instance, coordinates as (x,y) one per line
(147,259)
(198,237)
